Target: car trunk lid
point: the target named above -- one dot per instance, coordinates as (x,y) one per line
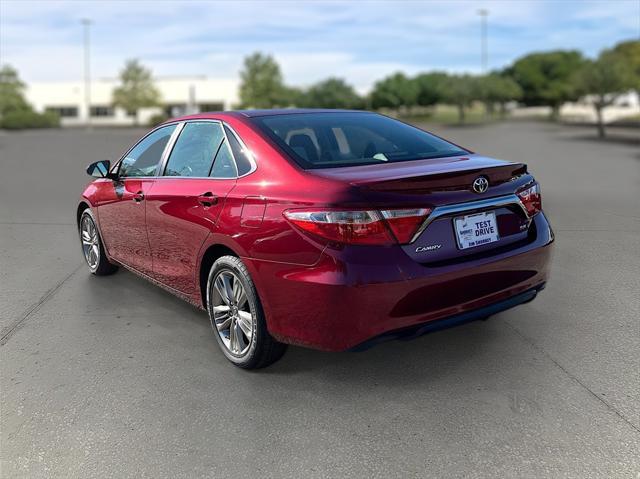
(427,176)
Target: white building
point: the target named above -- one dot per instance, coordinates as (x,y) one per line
(582,111)
(179,96)
(624,106)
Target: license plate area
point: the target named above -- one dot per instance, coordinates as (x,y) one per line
(476,230)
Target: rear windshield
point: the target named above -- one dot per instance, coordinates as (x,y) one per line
(330,140)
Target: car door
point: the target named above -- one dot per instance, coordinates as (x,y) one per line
(121,203)
(185,202)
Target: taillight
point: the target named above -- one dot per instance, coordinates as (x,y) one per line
(364,227)
(531,199)
(405,223)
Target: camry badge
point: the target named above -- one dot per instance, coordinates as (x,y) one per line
(480,184)
(431,247)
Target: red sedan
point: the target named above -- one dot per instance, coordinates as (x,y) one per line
(328,229)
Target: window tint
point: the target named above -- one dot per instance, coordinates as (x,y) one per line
(224,166)
(194,150)
(328,140)
(243,163)
(143,159)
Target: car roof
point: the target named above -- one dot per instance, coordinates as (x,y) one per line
(258,113)
(291,111)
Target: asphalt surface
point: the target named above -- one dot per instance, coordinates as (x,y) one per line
(113,377)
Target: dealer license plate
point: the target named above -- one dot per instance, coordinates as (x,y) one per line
(476,230)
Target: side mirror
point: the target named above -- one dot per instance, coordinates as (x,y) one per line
(99,169)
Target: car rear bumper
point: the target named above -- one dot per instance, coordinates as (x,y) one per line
(355,294)
(452,321)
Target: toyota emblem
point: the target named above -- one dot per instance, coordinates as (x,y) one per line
(480,184)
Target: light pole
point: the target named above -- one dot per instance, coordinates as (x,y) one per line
(86,23)
(484,54)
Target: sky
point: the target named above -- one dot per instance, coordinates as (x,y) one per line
(360,41)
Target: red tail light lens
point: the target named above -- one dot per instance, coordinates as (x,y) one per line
(366,227)
(531,199)
(351,227)
(405,223)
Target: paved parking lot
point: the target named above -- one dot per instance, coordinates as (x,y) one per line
(112,377)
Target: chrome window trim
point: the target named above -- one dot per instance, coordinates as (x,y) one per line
(167,151)
(468,207)
(170,144)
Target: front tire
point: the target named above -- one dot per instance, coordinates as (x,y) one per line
(237,317)
(92,246)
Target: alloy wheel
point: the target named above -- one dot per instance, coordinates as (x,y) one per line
(90,242)
(232,314)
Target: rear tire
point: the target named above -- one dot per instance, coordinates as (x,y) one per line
(92,247)
(237,317)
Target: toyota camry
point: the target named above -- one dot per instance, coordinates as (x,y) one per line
(329,229)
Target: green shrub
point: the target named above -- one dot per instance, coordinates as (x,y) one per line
(22,119)
(157,119)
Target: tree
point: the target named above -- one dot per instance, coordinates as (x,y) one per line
(11,91)
(461,91)
(292,96)
(261,84)
(430,87)
(15,112)
(547,78)
(509,91)
(27,118)
(495,89)
(331,93)
(137,89)
(394,91)
(605,79)
(629,52)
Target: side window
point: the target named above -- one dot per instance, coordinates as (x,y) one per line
(224,166)
(143,159)
(241,156)
(194,150)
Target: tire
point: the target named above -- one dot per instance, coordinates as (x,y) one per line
(232,301)
(92,246)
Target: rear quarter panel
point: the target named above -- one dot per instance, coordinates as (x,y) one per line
(252,218)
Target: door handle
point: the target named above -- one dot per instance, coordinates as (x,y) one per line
(138,197)
(207,199)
